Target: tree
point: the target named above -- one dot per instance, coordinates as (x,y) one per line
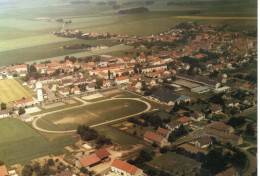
(99,83)
(87,133)
(32,69)
(3,106)
(83,170)
(250,130)
(164,149)
(50,162)
(36,167)
(146,155)
(1,163)
(214,162)
(21,111)
(27,170)
(103,140)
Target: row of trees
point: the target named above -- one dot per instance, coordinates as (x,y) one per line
(87,134)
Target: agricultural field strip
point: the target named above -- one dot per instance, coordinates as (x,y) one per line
(84,104)
(30,42)
(86,53)
(215,18)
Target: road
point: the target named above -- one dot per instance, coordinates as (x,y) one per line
(37,117)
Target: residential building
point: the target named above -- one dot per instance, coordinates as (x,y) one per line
(125,169)
(173,125)
(153,137)
(203,142)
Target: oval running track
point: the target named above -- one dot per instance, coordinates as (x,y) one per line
(34,123)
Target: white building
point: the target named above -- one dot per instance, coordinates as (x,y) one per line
(121,80)
(125,169)
(39,91)
(4,113)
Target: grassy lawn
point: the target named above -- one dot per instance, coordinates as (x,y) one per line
(90,114)
(19,143)
(119,137)
(11,90)
(252,116)
(174,162)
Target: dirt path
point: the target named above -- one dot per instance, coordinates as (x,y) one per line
(34,123)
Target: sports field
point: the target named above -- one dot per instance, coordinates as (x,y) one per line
(91,114)
(11,90)
(19,143)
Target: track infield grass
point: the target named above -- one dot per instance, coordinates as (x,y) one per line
(11,90)
(90,114)
(19,143)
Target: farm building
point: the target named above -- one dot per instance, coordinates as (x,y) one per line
(152,137)
(24,102)
(200,89)
(123,168)
(4,113)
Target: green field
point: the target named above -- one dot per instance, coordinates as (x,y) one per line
(19,143)
(11,90)
(30,23)
(252,116)
(174,162)
(90,114)
(46,51)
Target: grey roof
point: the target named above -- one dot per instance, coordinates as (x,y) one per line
(165,95)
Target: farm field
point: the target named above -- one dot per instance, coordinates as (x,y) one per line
(11,90)
(19,143)
(90,114)
(174,162)
(48,51)
(28,26)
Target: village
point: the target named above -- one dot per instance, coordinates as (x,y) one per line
(191,73)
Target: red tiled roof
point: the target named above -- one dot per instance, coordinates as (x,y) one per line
(122,78)
(184,119)
(102,153)
(65,173)
(153,137)
(3,171)
(26,100)
(124,166)
(163,131)
(89,160)
(76,89)
(136,76)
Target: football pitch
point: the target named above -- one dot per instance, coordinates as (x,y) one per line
(11,90)
(19,143)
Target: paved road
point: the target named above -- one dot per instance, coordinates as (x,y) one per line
(51,95)
(37,117)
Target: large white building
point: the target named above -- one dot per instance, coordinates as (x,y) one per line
(39,91)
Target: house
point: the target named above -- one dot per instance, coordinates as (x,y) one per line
(106,83)
(173,125)
(168,96)
(121,80)
(221,126)
(3,171)
(24,102)
(125,169)
(93,159)
(215,108)
(136,77)
(4,113)
(163,132)
(1,76)
(184,120)
(76,90)
(90,87)
(65,92)
(136,84)
(152,137)
(88,161)
(102,153)
(227,96)
(150,82)
(203,142)
(197,116)
(232,103)
(66,173)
